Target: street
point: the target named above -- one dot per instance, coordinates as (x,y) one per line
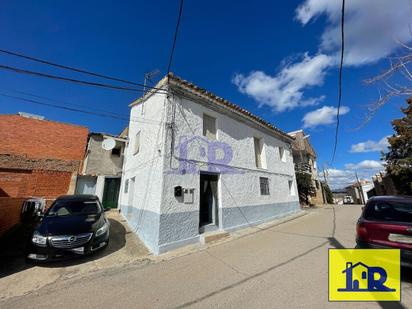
(281,266)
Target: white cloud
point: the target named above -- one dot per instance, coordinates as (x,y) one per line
(341,178)
(371,146)
(365,165)
(338,179)
(284,91)
(372,27)
(323,116)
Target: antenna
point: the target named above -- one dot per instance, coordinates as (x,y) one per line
(148,77)
(108,144)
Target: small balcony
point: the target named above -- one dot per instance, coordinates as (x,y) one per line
(303,168)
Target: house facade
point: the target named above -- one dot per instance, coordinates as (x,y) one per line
(39,157)
(304,157)
(359,191)
(196,163)
(102,168)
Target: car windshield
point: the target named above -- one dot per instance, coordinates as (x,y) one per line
(390,211)
(72,208)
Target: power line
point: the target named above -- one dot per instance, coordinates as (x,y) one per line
(102,114)
(61,102)
(340,78)
(28,72)
(175,36)
(73,69)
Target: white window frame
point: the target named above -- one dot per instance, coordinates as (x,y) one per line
(282,154)
(292,190)
(209,134)
(136,146)
(259,150)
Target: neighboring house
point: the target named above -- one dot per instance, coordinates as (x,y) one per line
(197,163)
(359,191)
(338,196)
(383,185)
(304,157)
(39,157)
(102,169)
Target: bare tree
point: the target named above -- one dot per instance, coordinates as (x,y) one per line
(394,82)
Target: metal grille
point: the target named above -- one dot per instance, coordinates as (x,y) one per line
(67,242)
(264,186)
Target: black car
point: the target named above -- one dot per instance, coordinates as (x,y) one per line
(73,225)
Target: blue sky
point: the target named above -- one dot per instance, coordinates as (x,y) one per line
(276,59)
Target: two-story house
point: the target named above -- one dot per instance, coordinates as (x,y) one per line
(304,157)
(197,163)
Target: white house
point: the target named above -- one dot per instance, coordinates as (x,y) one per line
(197,163)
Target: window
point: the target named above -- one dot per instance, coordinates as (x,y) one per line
(116,151)
(209,127)
(137,143)
(264,186)
(260,157)
(282,154)
(389,211)
(126,186)
(291,188)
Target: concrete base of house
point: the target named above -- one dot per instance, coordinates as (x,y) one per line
(213,236)
(162,233)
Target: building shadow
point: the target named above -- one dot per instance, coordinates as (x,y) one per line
(13,246)
(13,259)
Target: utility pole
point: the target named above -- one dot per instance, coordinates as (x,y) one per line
(325,200)
(360,189)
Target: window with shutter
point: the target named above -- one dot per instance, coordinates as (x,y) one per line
(209,127)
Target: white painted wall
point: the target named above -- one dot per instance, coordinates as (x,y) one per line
(146,167)
(163,221)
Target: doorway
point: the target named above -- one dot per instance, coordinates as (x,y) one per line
(208,208)
(111,192)
(86,185)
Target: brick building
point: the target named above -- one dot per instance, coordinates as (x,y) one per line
(39,157)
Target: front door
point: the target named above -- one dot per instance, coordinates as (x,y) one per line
(208,200)
(111,192)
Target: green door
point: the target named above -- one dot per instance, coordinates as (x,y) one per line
(111,192)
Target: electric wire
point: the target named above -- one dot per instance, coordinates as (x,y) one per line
(72,109)
(340,79)
(78,70)
(77,81)
(175,36)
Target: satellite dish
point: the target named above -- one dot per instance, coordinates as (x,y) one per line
(108,144)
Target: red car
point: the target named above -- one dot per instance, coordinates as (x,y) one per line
(386,222)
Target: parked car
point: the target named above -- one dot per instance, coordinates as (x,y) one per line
(31,209)
(386,222)
(73,225)
(347,199)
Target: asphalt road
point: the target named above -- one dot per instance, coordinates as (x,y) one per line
(284,266)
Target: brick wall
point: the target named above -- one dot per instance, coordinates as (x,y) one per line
(22,183)
(9,213)
(41,139)
(38,157)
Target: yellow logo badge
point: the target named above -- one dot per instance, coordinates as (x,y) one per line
(364,275)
